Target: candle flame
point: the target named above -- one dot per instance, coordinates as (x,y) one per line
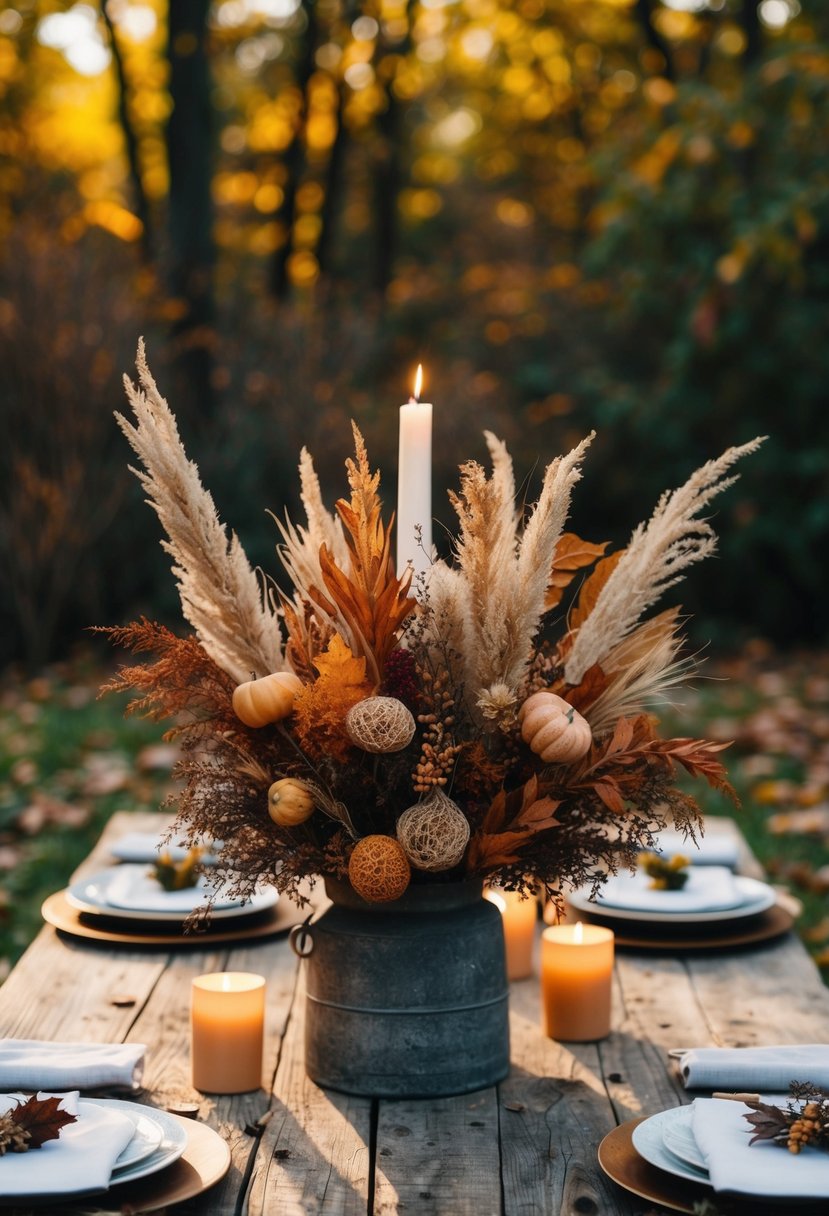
(418,384)
(498,900)
(578,933)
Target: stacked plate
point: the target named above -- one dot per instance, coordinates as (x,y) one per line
(765,1170)
(76,1162)
(714,908)
(130,893)
(712,893)
(159,1139)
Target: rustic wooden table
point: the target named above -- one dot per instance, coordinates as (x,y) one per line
(527,1146)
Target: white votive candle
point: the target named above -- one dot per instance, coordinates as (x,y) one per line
(227,1023)
(414,483)
(576,981)
(519,917)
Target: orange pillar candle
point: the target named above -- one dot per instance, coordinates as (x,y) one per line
(519,918)
(576,977)
(227,1023)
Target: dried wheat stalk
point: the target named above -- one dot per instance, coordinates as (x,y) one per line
(220,593)
(658,552)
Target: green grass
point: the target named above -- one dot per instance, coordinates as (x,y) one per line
(68,761)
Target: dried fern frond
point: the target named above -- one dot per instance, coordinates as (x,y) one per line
(365,599)
(183,678)
(219,591)
(658,553)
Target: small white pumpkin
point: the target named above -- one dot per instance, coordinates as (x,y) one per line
(269,699)
(554,729)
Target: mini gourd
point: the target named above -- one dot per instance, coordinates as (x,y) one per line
(290,802)
(269,699)
(553,729)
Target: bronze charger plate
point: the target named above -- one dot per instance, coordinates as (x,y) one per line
(725,935)
(109,930)
(621,1162)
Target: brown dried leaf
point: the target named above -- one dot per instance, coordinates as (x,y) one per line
(769,1122)
(572,554)
(591,588)
(582,695)
(42,1118)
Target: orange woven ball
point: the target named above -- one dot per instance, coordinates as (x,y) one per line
(379,869)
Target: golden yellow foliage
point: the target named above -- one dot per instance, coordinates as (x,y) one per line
(321,707)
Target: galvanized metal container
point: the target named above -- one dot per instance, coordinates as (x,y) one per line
(407,998)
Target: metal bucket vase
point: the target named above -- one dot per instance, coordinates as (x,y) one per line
(407,998)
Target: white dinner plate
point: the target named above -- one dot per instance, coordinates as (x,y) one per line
(91,895)
(678,1138)
(172,1139)
(134,888)
(649,1142)
(147,1138)
(756,896)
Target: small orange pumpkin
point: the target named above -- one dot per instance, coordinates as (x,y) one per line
(290,802)
(554,729)
(258,702)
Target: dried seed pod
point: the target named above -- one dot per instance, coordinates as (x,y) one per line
(378,869)
(434,833)
(380,724)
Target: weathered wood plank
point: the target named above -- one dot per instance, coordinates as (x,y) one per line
(767,996)
(314,1154)
(439,1155)
(554,1111)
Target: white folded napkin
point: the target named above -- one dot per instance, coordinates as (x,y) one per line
(764,1168)
(134,889)
(755,1069)
(36,1064)
(147,846)
(718,849)
(79,1161)
(708,889)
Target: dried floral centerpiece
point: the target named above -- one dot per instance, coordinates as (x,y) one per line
(357,727)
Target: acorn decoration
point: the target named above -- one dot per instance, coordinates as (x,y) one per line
(434,833)
(269,699)
(380,725)
(554,729)
(378,869)
(290,802)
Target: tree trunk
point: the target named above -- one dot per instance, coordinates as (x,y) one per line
(294,160)
(189,150)
(140,201)
(644,11)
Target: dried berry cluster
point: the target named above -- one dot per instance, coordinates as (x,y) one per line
(803,1121)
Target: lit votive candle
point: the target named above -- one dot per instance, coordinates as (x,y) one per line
(227,1023)
(576,981)
(519,917)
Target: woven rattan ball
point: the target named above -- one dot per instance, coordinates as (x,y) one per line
(434,833)
(378,869)
(380,724)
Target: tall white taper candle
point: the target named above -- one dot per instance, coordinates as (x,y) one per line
(414,483)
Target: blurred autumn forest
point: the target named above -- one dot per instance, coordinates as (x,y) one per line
(575,213)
